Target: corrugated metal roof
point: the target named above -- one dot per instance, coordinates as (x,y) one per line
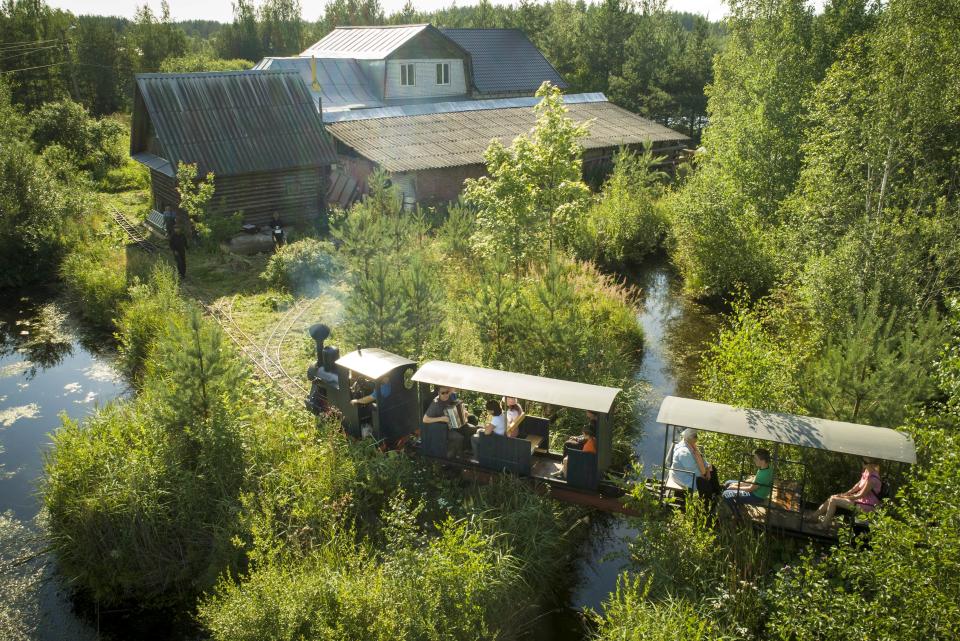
(805,431)
(450,139)
(504,60)
(363,43)
(452,106)
(154,162)
(236,122)
(343,84)
(552,391)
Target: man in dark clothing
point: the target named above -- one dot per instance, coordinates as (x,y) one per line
(178,243)
(437,413)
(169,221)
(276,230)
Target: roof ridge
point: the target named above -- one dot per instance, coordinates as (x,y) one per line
(384,26)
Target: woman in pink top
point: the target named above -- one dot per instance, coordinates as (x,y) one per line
(863,496)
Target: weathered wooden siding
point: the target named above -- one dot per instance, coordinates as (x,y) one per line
(425,75)
(438,186)
(299,195)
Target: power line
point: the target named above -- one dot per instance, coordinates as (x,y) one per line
(6,47)
(27,42)
(27,53)
(62,62)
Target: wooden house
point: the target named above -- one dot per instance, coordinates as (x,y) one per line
(259,133)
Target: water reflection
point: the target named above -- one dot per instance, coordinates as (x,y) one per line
(44,371)
(676,330)
(38,332)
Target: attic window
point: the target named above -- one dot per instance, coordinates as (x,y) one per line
(407,76)
(443,73)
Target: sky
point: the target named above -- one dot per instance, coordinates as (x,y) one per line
(222,10)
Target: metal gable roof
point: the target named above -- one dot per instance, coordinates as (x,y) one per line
(363,43)
(235,122)
(551,391)
(805,431)
(504,60)
(343,85)
(460,133)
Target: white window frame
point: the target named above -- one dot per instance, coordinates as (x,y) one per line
(443,73)
(408,75)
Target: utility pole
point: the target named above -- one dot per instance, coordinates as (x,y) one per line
(73,66)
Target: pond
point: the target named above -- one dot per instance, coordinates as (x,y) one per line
(46,369)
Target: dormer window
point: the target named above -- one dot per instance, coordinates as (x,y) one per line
(443,73)
(407,76)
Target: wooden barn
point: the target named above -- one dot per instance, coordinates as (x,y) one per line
(259,132)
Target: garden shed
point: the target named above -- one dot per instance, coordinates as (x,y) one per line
(259,132)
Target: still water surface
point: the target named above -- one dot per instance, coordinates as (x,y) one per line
(46,369)
(675,332)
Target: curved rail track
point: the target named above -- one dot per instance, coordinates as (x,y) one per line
(267,365)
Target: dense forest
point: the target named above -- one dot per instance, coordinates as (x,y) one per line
(819,218)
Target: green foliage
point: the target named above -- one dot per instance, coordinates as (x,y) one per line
(144,319)
(129,176)
(275,28)
(533,196)
(195,196)
(96,144)
(143,499)
(201,62)
(37,213)
(719,241)
(750,366)
(156,37)
(95,275)
(453,586)
(666,65)
(630,616)
(627,222)
(873,369)
(301,266)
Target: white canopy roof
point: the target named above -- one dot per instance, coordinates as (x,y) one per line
(372,362)
(806,431)
(524,386)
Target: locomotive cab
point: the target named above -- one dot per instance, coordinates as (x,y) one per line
(387,377)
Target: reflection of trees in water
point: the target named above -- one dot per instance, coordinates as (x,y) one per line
(47,341)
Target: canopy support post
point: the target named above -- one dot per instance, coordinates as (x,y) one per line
(663,467)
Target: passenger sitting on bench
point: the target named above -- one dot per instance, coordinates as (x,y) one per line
(689,470)
(863,497)
(752,491)
(437,412)
(515,415)
(497,424)
(586,442)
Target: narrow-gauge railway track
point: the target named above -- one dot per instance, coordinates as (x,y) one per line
(267,366)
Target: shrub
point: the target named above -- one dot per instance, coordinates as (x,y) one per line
(36,216)
(719,242)
(456,585)
(629,616)
(627,222)
(144,498)
(201,62)
(95,143)
(145,318)
(128,176)
(95,275)
(301,265)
